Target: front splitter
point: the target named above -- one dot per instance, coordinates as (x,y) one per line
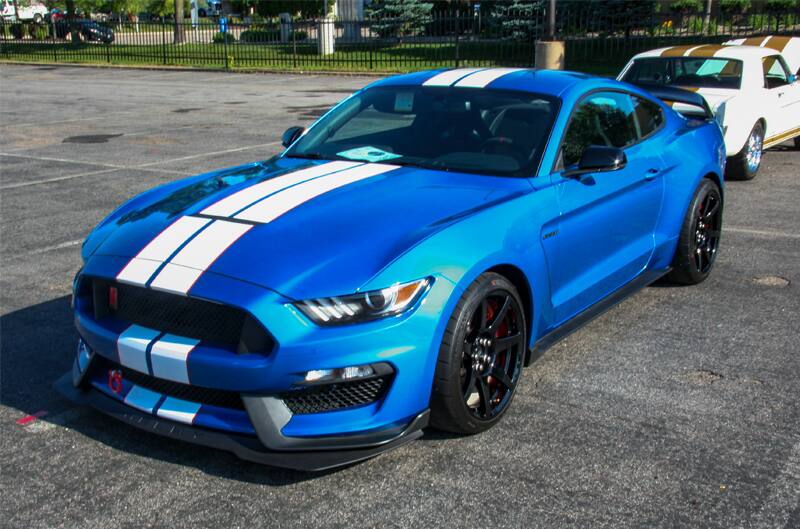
(244,447)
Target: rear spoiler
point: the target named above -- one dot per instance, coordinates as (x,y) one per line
(671,94)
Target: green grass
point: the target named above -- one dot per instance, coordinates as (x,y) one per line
(353,58)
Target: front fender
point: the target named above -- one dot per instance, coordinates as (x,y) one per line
(508,234)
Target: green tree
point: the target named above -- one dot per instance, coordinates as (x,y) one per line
(400,17)
(519,19)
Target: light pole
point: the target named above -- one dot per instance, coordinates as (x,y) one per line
(549,52)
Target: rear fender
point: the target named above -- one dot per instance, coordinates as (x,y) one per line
(689,158)
(738,117)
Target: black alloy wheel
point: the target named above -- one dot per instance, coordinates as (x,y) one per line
(698,242)
(481,357)
(707,226)
(492,355)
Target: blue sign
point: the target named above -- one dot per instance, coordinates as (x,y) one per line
(223,25)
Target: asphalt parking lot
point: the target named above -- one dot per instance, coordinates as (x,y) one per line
(678,408)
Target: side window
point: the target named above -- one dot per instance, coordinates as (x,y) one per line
(603,118)
(775,71)
(649,116)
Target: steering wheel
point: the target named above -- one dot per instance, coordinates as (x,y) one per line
(506,147)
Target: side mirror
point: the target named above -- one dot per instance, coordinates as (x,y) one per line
(792,78)
(598,158)
(291,134)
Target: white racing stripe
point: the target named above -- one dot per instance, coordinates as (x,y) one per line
(273,207)
(169,356)
(208,238)
(449,77)
(146,262)
(142,399)
(188,265)
(690,50)
(178,410)
(132,347)
(483,78)
(241,199)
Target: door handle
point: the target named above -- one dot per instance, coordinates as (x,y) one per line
(652,173)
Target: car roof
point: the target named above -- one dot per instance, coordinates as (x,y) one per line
(555,83)
(709,50)
(774,42)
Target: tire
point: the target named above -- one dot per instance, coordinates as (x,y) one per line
(745,164)
(37,18)
(699,237)
(797,143)
(201,13)
(480,358)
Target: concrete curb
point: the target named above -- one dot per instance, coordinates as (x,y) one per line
(161,67)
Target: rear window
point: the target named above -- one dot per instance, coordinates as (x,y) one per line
(698,72)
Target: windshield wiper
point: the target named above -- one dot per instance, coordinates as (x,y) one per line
(433,166)
(309,156)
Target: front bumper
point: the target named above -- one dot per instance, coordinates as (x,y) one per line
(326,455)
(408,344)
(262,424)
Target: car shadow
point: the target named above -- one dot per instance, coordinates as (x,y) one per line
(37,347)
(786,146)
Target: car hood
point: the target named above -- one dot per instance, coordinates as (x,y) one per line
(328,245)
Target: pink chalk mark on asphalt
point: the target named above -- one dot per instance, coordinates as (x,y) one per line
(30,419)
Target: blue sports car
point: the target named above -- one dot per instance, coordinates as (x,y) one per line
(396,266)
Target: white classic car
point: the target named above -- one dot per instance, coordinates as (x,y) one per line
(752,90)
(789,47)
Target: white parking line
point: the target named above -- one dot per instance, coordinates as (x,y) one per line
(55,179)
(45,249)
(112,167)
(762,233)
(64,121)
(205,154)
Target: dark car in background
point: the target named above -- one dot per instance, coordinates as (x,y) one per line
(87,30)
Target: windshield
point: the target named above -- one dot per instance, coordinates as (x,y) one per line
(451,129)
(686,71)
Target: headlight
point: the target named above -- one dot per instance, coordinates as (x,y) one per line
(365,306)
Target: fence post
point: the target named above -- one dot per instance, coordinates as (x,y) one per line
(458,31)
(163,41)
(225,45)
(108,53)
(294,48)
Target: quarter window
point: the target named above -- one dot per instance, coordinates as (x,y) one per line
(603,118)
(649,116)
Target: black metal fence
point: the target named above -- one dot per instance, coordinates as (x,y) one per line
(599,42)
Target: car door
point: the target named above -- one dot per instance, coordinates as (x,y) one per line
(607,219)
(783,96)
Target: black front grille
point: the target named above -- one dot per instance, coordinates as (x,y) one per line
(331,397)
(184,316)
(212,397)
(193,318)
